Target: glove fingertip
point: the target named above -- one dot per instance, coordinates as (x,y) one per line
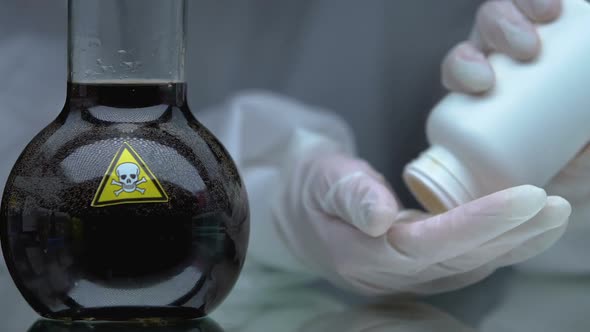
(561,208)
(546,10)
(520,41)
(467,70)
(526,201)
(540,10)
(516,204)
(378,221)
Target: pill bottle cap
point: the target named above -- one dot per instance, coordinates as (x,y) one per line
(439,181)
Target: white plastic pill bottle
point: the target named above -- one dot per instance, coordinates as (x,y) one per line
(536,119)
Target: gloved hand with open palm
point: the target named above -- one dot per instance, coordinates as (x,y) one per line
(341,219)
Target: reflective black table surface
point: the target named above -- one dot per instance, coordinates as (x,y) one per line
(274,301)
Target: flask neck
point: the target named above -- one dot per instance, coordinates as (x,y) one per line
(125,95)
(126,41)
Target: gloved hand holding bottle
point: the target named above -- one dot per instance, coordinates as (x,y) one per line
(509,27)
(316,208)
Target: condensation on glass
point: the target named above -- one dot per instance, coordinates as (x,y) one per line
(131,40)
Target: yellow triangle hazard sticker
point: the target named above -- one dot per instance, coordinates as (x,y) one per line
(128,180)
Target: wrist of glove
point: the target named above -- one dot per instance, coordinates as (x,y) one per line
(339,218)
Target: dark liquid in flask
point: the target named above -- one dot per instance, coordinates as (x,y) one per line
(124,207)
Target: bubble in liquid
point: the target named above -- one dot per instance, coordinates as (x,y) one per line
(122,52)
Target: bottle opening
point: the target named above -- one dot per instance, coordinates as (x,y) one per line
(425,196)
(439,181)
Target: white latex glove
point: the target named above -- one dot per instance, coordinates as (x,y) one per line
(570,254)
(339,217)
(504,26)
(315,209)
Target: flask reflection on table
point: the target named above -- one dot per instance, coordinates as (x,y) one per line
(198,325)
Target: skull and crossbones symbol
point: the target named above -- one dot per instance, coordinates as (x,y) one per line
(128,174)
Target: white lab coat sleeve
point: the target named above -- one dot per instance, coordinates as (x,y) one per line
(265,133)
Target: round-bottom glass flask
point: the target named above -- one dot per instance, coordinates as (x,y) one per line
(125,207)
